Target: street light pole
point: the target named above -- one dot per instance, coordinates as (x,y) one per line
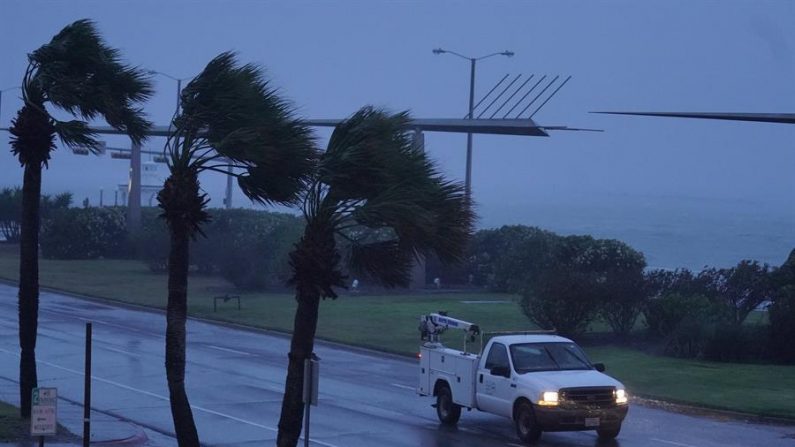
(468,178)
(470,115)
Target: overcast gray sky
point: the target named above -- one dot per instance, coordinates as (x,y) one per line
(330,58)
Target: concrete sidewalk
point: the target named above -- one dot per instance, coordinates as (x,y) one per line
(106,430)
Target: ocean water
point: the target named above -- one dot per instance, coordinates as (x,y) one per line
(671,232)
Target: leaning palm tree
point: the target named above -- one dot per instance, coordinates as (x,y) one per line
(375,204)
(232,122)
(79,74)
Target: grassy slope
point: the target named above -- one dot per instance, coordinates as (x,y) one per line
(12,427)
(389,322)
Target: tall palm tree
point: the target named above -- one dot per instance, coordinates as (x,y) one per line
(376,202)
(230,118)
(79,74)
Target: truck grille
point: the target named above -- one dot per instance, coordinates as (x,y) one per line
(588,397)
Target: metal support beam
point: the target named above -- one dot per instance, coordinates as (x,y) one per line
(134,190)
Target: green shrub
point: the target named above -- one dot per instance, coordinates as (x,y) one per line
(247,247)
(84,233)
(782,325)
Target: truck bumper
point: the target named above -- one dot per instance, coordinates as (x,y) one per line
(573,419)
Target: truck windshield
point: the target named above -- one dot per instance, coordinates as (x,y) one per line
(530,357)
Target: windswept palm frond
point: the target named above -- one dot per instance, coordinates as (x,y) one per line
(241,118)
(76,133)
(371,162)
(77,72)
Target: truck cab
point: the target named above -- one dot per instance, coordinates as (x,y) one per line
(542,382)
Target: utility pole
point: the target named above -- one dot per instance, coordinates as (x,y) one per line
(472,61)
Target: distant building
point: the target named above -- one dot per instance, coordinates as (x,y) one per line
(151,184)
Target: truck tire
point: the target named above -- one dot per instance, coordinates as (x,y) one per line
(609,432)
(449,413)
(526,427)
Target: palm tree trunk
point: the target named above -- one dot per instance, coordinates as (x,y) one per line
(301,346)
(29,284)
(176,317)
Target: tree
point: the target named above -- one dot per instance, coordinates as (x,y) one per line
(79,74)
(376,202)
(740,289)
(231,118)
(577,276)
(622,285)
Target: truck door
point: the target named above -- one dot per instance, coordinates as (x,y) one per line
(493,382)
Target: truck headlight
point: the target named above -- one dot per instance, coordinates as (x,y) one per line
(549,399)
(621,396)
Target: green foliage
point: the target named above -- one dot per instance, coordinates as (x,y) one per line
(739,289)
(84,233)
(11,208)
(501,258)
(248,248)
(569,280)
(782,324)
(384,200)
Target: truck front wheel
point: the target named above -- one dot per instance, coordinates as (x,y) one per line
(607,433)
(526,427)
(446,409)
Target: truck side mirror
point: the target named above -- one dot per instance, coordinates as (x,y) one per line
(501,371)
(599,367)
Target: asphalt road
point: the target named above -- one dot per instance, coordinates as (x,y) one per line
(235,382)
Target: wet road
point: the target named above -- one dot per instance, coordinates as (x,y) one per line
(235,382)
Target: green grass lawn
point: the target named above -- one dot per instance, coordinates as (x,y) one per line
(765,390)
(389,323)
(12,428)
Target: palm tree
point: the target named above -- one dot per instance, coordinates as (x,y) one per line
(376,202)
(230,118)
(79,74)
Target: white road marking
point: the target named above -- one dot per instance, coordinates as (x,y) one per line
(234,351)
(405,387)
(679,444)
(120,351)
(164,398)
(514,445)
(93,320)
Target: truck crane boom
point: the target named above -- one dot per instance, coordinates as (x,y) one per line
(433,325)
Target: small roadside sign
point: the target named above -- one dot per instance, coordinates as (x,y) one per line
(43,415)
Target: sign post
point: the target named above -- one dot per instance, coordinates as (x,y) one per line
(311,381)
(44,413)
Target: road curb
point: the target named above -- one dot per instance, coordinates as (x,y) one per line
(715,413)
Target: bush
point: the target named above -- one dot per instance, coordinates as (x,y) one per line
(84,233)
(782,325)
(249,248)
(577,276)
(501,259)
(733,343)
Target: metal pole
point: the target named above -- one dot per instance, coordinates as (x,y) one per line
(228,199)
(1,107)
(134,194)
(179,90)
(468,181)
(87,391)
(307,398)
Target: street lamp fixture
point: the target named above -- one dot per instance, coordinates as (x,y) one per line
(472,62)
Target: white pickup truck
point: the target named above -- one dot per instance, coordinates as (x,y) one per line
(542,382)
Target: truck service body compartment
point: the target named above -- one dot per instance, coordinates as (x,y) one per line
(454,367)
